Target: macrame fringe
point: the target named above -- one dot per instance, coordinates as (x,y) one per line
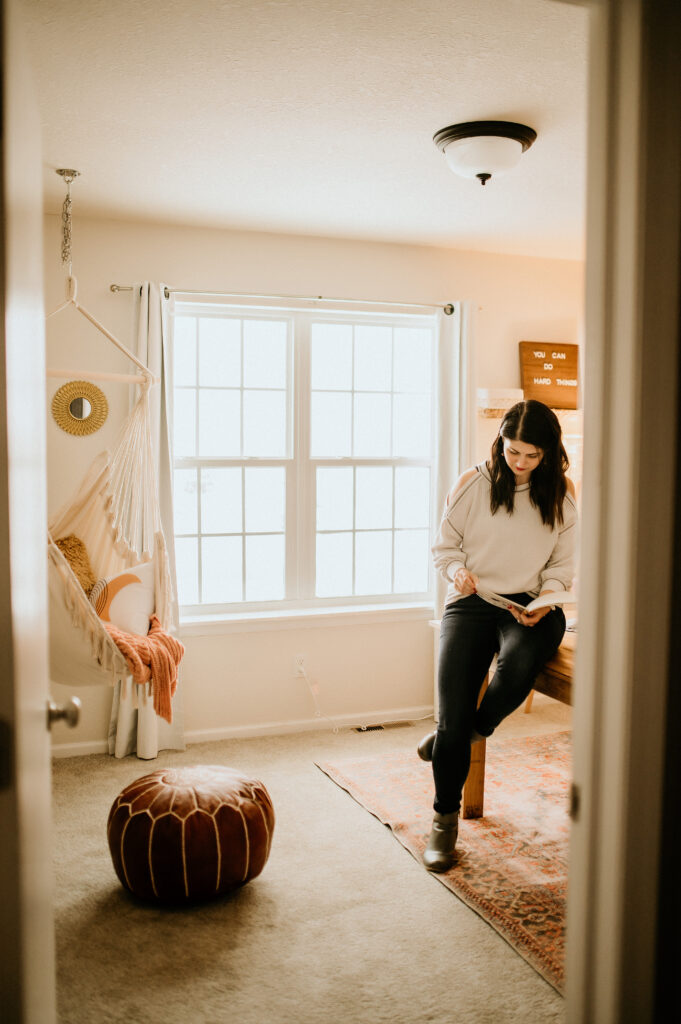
(164,591)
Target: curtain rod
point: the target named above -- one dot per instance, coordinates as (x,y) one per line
(446,306)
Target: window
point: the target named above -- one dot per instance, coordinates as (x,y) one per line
(303,450)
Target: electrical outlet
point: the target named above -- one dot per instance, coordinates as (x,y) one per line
(299,664)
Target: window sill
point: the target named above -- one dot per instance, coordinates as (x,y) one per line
(305,618)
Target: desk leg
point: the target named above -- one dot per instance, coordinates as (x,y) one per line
(473,797)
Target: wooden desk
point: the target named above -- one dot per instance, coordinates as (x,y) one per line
(555,680)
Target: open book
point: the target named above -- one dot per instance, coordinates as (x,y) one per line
(543,601)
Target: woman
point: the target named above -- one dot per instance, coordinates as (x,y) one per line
(509,527)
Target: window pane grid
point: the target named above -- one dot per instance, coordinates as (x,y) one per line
(241,418)
(352,425)
(386,416)
(392,526)
(217,543)
(354,518)
(199,539)
(376,556)
(364,541)
(226,407)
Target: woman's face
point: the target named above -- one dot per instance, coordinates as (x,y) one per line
(522,459)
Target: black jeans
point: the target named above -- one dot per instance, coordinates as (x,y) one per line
(471,633)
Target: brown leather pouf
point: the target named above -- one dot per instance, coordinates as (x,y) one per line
(183,834)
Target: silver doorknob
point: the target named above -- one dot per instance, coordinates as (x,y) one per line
(68,712)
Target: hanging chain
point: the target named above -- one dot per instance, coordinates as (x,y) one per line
(68,176)
(66,225)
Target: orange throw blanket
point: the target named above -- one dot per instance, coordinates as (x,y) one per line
(154,659)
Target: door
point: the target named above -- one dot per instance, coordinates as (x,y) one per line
(27,959)
(617,900)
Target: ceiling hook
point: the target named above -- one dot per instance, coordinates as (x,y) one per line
(68,174)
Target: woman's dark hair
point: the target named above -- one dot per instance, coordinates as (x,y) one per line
(534,423)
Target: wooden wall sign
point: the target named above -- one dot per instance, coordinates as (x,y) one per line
(548,373)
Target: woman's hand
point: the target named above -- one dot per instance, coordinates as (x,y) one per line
(529,618)
(465,582)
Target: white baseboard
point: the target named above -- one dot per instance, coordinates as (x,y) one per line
(80,749)
(241,732)
(347,721)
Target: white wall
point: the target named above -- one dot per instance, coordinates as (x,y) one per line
(236,683)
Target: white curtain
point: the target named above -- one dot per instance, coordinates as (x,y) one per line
(134,726)
(455,415)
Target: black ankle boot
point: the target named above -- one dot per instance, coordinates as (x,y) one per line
(425,747)
(439,853)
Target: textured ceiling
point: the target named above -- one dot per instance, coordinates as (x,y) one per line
(315,116)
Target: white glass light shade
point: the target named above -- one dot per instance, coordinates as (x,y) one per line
(483,154)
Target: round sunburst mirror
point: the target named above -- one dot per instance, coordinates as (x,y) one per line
(79,407)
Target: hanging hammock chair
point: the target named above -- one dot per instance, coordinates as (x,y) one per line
(115,513)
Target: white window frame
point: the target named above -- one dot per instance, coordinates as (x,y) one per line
(300,467)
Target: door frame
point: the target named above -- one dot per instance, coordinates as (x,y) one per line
(27,946)
(632,426)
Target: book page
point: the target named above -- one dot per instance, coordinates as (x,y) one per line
(560,597)
(498,600)
(543,601)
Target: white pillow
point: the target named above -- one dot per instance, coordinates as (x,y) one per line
(126,600)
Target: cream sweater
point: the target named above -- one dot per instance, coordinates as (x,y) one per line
(510,554)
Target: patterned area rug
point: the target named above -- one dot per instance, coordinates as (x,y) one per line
(512,863)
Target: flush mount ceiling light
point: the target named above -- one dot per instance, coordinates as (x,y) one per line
(480,149)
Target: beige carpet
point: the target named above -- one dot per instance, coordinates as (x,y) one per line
(341,926)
